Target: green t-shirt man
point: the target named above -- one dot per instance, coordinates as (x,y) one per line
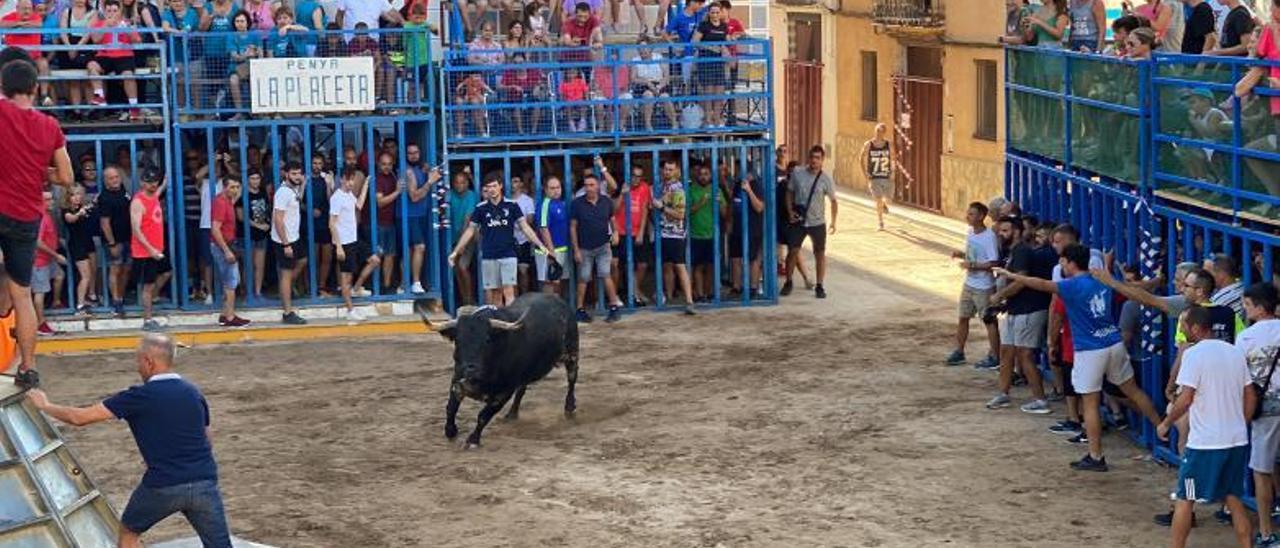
(702,220)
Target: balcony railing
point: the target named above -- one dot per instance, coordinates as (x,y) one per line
(909,13)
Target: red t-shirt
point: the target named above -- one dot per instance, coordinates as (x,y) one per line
(121,39)
(386,185)
(152,226)
(28,42)
(734,27)
(573,90)
(223,211)
(1064,345)
(526,80)
(581,33)
(640,195)
(1269,49)
(29,139)
(49,237)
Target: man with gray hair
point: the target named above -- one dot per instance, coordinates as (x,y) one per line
(169,418)
(1226,278)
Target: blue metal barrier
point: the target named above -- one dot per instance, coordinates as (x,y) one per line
(1202,163)
(741,160)
(610,92)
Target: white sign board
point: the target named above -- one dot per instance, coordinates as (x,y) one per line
(311,84)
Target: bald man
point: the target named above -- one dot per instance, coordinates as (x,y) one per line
(169,419)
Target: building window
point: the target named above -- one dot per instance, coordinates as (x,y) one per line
(986,100)
(805,38)
(870,91)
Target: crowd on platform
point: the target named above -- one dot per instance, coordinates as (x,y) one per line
(1045,300)
(213,42)
(1215,28)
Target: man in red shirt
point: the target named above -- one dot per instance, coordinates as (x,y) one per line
(634,196)
(33,142)
(388,190)
(26,17)
(580,31)
(44,267)
(150,265)
(222,237)
(520,85)
(736,31)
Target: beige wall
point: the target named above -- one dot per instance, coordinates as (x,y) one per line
(972,169)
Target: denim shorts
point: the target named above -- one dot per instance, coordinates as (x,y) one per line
(387,240)
(596,261)
(199,501)
(228,273)
(417,231)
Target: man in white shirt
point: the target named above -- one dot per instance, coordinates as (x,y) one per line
(370,12)
(1260,344)
(1216,391)
(290,251)
(981,254)
(350,251)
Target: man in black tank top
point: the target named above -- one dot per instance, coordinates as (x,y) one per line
(877,164)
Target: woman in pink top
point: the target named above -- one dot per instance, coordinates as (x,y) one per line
(609,81)
(261,14)
(1268,48)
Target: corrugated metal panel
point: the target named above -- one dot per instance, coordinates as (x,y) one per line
(804,104)
(917,116)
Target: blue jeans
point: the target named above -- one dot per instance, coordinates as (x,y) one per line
(199,501)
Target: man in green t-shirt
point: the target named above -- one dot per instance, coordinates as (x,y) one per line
(702,221)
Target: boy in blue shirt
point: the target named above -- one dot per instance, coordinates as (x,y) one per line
(1099,350)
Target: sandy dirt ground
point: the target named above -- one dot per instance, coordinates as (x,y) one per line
(815,423)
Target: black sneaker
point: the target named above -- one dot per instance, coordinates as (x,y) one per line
(1090,464)
(1223,516)
(1166,520)
(27,379)
(1078,439)
(293,318)
(584,316)
(614,314)
(786,289)
(819,292)
(1066,427)
(1019,380)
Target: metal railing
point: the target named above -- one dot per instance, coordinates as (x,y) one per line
(1161,160)
(612,92)
(909,13)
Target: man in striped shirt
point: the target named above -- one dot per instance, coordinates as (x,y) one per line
(1226,277)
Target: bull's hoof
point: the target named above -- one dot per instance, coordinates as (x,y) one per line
(450,432)
(569,412)
(511,417)
(469,446)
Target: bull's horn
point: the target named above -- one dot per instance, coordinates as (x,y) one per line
(508,326)
(422,307)
(465,311)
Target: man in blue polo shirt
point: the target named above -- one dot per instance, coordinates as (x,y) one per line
(420,184)
(169,418)
(1099,350)
(552,219)
(590,230)
(497,220)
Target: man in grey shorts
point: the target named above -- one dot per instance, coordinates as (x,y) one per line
(1261,346)
(591,232)
(497,220)
(877,164)
(1027,315)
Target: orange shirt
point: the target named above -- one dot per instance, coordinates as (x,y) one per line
(29,42)
(8,344)
(573,90)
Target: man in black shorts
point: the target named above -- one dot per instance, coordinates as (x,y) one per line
(808,220)
(150,265)
(670,205)
(286,238)
(22,178)
(350,250)
(748,211)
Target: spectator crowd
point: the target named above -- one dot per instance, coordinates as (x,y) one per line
(1051,306)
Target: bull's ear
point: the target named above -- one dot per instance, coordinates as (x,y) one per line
(449,332)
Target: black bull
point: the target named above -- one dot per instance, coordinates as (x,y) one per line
(499,352)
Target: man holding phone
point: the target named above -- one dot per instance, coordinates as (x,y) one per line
(805,190)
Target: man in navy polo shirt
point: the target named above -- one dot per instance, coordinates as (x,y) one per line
(169,418)
(590,231)
(497,220)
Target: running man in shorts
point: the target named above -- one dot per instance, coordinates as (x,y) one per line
(877,164)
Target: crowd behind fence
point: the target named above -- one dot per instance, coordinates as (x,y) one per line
(1164,160)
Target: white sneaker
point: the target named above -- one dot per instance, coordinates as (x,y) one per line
(359,292)
(355,315)
(417,288)
(208,300)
